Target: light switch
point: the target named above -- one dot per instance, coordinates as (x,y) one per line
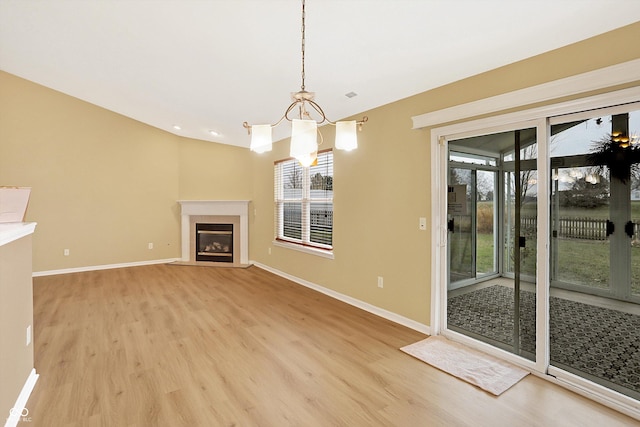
(423,223)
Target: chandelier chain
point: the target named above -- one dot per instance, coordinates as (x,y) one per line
(303,44)
(301,99)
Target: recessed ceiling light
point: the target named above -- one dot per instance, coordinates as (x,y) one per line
(214,133)
(176,127)
(350,94)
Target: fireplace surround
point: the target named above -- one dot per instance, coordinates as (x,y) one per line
(232,213)
(214,242)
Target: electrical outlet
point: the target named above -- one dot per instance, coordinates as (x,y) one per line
(66,252)
(422,223)
(269,251)
(380,282)
(150,245)
(28,334)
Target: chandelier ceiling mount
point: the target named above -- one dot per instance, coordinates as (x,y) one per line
(304,129)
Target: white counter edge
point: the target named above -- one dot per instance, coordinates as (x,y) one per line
(10,231)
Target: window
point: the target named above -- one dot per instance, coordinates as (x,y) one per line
(304,202)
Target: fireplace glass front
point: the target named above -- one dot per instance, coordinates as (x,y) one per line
(214,242)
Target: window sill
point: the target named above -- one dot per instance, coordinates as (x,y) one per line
(306,249)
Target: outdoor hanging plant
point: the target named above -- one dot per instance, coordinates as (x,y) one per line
(618,154)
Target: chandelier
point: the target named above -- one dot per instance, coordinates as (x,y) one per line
(305,135)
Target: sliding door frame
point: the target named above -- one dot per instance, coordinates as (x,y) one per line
(540,119)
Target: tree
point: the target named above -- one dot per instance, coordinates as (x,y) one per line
(484,185)
(321,182)
(585,194)
(621,159)
(294,178)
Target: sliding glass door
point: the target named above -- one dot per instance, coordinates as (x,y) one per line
(543,245)
(594,307)
(492,199)
(594,196)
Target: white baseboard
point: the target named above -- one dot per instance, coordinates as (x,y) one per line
(19,410)
(385,314)
(103,267)
(607,397)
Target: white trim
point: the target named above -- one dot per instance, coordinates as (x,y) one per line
(543,232)
(215,207)
(103,267)
(593,391)
(489,124)
(385,314)
(23,397)
(581,83)
(599,111)
(306,249)
(439,240)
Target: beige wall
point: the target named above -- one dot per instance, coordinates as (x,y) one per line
(384,187)
(104,185)
(214,171)
(381,190)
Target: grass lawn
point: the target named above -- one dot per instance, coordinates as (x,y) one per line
(601,212)
(572,267)
(587,263)
(572,253)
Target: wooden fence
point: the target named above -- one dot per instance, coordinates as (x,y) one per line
(582,228)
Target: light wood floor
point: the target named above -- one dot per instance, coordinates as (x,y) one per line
(198,346)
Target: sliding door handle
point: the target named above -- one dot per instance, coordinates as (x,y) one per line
(450,225)
(628,228)
(610,228)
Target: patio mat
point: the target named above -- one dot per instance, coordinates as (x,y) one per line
(598,343)
(480,369)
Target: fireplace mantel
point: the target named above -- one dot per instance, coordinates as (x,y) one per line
(238,208)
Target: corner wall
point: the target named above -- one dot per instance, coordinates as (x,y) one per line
(104,186)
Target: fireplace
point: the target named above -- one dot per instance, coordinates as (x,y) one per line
(215,232)
(214,242)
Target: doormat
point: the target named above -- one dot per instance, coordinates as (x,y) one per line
(477,368)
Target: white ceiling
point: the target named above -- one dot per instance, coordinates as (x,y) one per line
(212,64)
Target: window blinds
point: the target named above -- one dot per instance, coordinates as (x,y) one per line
(304,201)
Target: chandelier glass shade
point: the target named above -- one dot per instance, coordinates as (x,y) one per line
(304,140)
(261,139)
(346,137)
(304,129)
